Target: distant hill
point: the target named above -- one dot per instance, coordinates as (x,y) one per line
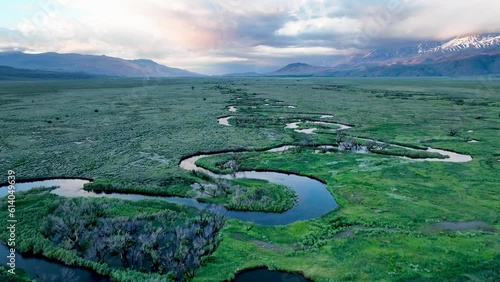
(9,73)
(297,69)
(90,64)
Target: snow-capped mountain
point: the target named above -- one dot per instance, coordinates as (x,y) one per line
(469,42)
(476,54)
(428,51)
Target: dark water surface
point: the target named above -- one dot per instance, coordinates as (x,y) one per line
(48,270)
(264,275)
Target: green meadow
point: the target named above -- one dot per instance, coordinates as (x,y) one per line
(398,219)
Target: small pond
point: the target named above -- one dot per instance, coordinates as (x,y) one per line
(265,275)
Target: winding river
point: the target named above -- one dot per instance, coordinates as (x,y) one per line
(314,200)
(452,157)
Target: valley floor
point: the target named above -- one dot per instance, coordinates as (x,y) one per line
(398,218)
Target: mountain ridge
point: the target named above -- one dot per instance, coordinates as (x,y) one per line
(476,54)
(426,51)
(90,64)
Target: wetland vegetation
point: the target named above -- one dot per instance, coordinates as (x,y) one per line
(249,195)
(130,136)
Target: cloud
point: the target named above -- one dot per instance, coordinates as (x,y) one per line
(296,51)
(333,26)
(443,19)
(226,35)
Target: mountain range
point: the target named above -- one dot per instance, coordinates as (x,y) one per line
(465,55)
(428,51)
(90,64)
(473,54)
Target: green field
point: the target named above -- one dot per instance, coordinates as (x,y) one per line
(132,134)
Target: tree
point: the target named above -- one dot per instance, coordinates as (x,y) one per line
(351,145)
(69,222)
(304,142)
(373,145)
(341,135)
(235,162)
(453,131)
(149,242)
(220,188)
(66,275)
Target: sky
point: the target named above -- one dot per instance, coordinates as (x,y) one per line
(228,36)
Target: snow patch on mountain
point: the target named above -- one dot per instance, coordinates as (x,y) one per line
(473,41)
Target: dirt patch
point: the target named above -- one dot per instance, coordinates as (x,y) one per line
(239,236)
(461,226)
(269,246)
(260,243)
(154,157)
(349,232)
(345,234)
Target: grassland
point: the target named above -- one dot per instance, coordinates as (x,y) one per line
(133,133)
(124,131)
